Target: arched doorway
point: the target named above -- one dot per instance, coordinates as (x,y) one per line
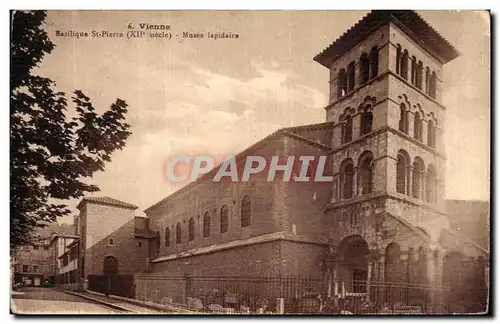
(353,270)
(110,266)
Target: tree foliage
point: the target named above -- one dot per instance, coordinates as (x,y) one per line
(52,153)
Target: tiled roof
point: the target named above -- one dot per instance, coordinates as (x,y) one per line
(409,20)
(106,201)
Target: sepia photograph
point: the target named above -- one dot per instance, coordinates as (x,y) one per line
(250,162)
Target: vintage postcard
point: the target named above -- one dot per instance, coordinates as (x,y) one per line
(250,162)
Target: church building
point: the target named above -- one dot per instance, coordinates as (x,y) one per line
(381,224)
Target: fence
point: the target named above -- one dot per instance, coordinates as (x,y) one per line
(233,294)
(119,285)
(291,295)
(302,295)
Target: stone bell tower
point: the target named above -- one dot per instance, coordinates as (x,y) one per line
(387,148)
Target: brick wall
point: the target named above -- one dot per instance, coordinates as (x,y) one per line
(132,256)
(208,196)
(251,267)
(102,222)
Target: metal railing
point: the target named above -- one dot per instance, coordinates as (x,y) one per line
(302,295)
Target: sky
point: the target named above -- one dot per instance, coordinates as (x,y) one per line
(218,97)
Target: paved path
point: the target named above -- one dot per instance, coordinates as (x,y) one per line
(133,308)
(53,301)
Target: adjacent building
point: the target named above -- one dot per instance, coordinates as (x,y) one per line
(57,248)
(470,218)
(32,264)
(108,240)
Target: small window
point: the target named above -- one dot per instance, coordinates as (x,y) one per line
(420,74)
(224,219)
(350,77)
(413,70)
(347,129)
(403,121)
(373,62)
(45,248)
(402,172)
(35,247)
(35,268)
(111,241)
(432,85)
(246,212)
(364,67)
(341,83)
(25,268)
(404,65)
(206,225)
(366,120)
(139,244)
(366,172)
(191,229)
(417,127)
(431,134)
(346,178)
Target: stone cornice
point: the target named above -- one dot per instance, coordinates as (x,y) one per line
(266,238)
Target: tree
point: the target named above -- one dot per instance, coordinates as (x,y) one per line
(52,153)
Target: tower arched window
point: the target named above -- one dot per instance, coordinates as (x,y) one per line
(167,237)
(431,134)
(432,85)
(403,119)
(402,172)
(224,219)
(373,62)
(191,229)
(427,79)
(350,76)
(431,184)
(417,127)
(366,172)
(398,59)
(367,120)
(346,178)
(246,212)
(413,70)
(342,83)
(404,65)
(364,68)
(206,225)
(420,74)
(418,169)
(178,233)
(347,129)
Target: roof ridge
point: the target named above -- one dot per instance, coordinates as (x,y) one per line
(106,200)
